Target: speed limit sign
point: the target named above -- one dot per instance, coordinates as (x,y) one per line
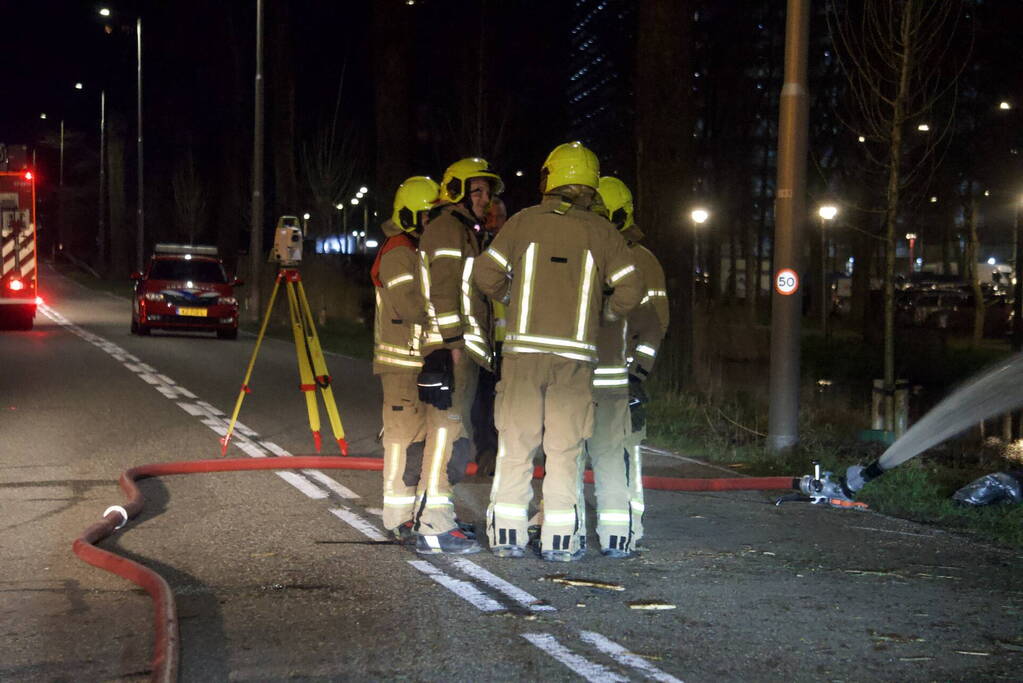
(786,282)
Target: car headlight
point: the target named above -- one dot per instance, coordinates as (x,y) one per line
(228,300)
(153,296)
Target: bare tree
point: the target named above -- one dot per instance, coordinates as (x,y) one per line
(895,55)
(189,197)
(329,160)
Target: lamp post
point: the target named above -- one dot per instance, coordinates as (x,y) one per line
(699,216)
(826,212)
(911,239)
(1017,296)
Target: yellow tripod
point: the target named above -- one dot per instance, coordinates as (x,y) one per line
(310,360)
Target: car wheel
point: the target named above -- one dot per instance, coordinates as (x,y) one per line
(143,330)
(228,334)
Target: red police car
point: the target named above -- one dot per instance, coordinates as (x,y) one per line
(185,287)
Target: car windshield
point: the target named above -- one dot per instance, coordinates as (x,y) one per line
(194,270)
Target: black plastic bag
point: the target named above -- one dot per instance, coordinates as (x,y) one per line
(991,489)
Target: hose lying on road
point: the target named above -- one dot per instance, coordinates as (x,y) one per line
(165,650)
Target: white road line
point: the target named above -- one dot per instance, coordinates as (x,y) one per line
(591,671)
(462,589)
(497,583)
(358,523)
(335,486)
(303,485)
(623,656)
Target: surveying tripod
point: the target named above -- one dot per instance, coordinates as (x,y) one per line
(310,360)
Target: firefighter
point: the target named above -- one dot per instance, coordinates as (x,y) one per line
(397,330)
(456,344)
(549,264)
(626,351)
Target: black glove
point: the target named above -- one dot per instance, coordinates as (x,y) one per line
(637,403)
(436,379)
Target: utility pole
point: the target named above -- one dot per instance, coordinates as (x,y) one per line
(790,215)
(141,237)
(101,238)
(256,234)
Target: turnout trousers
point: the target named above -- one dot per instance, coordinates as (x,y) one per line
(542,399)
(404,420)
(447,452)
(617,478)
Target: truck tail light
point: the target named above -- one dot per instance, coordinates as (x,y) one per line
(15,285)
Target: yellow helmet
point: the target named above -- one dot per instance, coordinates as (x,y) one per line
(570,164)
(418,193)
(458,175)
(617,202)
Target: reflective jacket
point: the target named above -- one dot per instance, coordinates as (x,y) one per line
(459,314)
(648,322)
(550,264)
(630,346)
(401,309)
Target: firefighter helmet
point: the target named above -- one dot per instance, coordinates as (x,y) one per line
(570,164)
(416,194)
(617,202)
(456,179)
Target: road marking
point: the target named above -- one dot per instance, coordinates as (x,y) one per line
(302,484)
(358,523)
(591,671)
(335,486)
(462,589)
(623,656)
(496,582)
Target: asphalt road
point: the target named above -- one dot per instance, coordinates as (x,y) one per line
(285,578)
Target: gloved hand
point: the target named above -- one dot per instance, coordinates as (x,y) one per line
(436,379)
(637,403)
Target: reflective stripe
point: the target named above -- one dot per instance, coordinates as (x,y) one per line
(618,382)
(614,516)
(527,287)
(390,476)
(644,300)
(558,516)
(551,341)
(584,297)
(510,510)
(656,292)
(514,348)
(438,453)
(407,277)
(615,277)
(647,351)
(449,319)
(399,500)
(615,370)
(436,501)
(400,362)
(447,253)
(638,506)
(497,256)
(387,348)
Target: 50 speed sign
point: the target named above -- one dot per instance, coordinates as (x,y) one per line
(786,282)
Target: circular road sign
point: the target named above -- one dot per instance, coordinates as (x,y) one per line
(786,282)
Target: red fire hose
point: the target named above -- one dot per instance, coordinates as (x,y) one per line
(165,649)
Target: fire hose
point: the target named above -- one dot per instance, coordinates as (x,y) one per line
(166,647)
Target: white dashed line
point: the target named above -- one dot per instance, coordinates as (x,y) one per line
(520,596)
(462,589)
(359,524)
(335,486)
(623,656)
(591,671)
(302,484)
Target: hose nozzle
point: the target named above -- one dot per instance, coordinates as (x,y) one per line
(821,489)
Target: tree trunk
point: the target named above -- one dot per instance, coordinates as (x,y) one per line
(663,161)
(122,238)
(392,106)
(972,259)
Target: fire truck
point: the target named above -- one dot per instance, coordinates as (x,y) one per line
(19,276)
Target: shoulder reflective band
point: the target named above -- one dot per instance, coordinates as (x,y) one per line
(393,282)
(584,297)
(646,350)
(527,286)
(618,275)
(497,256)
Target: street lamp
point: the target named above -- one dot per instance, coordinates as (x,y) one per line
(140,237)
(699,216)
(911,238)
(827,212)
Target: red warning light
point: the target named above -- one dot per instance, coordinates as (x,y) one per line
(28,175)
(15,285)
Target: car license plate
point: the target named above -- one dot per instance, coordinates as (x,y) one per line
(200,312)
